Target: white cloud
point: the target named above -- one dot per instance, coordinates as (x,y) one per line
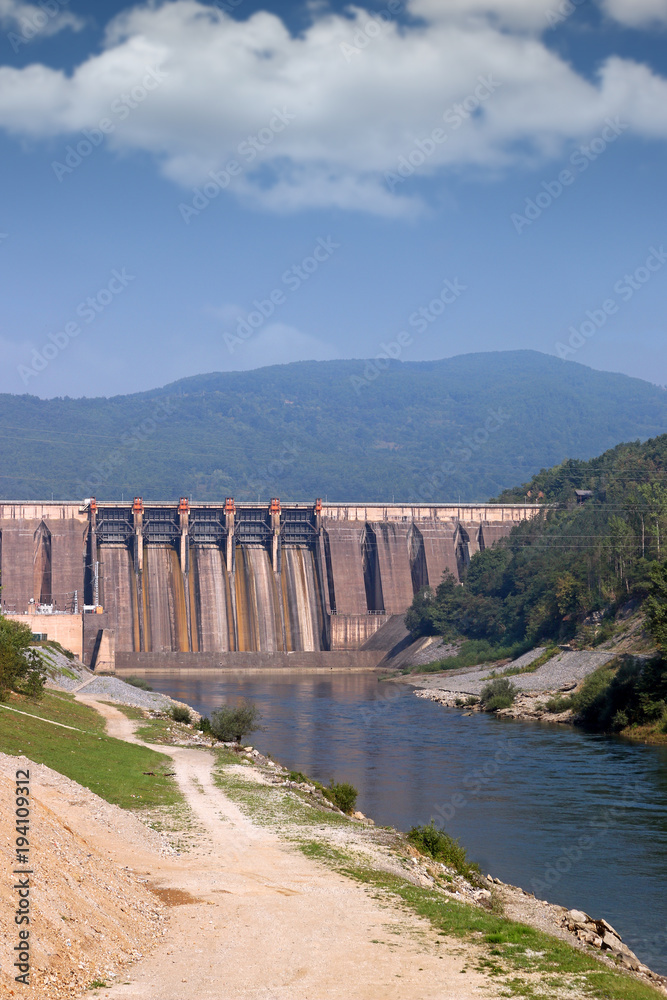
(344,119)
(637,13)
(27,20)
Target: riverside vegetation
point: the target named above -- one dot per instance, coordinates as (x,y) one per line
(424,873)
(564,577)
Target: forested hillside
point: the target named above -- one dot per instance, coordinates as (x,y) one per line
(575,574)
(563,575)
(466,427)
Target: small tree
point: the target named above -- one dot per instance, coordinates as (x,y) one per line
(21,668)
(498,693)
(234,724)
(342,795)
(656,607)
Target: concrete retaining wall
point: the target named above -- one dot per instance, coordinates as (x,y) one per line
(65,629)
(330,659)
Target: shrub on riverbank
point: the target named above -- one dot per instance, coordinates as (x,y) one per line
(138,682)
(629,692)
(498,693)
(441,847)
(180,713)
(472,653)
(342,795)
(559,703)
(233,724)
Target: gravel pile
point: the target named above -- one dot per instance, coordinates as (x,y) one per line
(560,671)
(114,689)
(61,671)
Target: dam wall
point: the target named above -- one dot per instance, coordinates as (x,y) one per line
(219,581)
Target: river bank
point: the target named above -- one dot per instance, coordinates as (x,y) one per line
(259,883)
(545,694)
(293,813)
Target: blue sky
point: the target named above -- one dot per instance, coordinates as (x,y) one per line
(349,162)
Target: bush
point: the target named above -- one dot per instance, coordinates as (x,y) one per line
(204,724)
(471,654)
(627,692)
(559,704)
(21,668)
(498,693)
(138,682)
(180,713)
(343,795)
(441,847)
(234,724)
(471,700)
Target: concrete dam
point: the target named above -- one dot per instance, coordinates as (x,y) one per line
(235,584)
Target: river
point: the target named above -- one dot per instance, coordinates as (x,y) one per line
(577,818)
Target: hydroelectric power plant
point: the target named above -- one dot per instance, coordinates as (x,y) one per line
(140,584)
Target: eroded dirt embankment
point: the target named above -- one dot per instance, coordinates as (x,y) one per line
(89,916)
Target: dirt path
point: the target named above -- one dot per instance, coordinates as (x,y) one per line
(262,922)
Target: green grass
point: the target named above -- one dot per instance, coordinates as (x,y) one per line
(58,706)
(473,653)
(271,805)
(160,730)
(530,668)
(112,769)
(513,950)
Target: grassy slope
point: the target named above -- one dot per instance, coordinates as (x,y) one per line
(112,769)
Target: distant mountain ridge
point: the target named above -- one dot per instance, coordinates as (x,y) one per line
(462,428)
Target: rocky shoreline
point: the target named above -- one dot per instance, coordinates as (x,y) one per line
(529,706)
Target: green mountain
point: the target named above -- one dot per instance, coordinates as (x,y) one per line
(467,427)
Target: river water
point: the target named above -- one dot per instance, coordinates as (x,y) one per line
(577,818)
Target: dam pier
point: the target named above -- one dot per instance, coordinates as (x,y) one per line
(139,584)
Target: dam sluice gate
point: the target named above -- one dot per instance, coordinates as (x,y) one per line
(206,578)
